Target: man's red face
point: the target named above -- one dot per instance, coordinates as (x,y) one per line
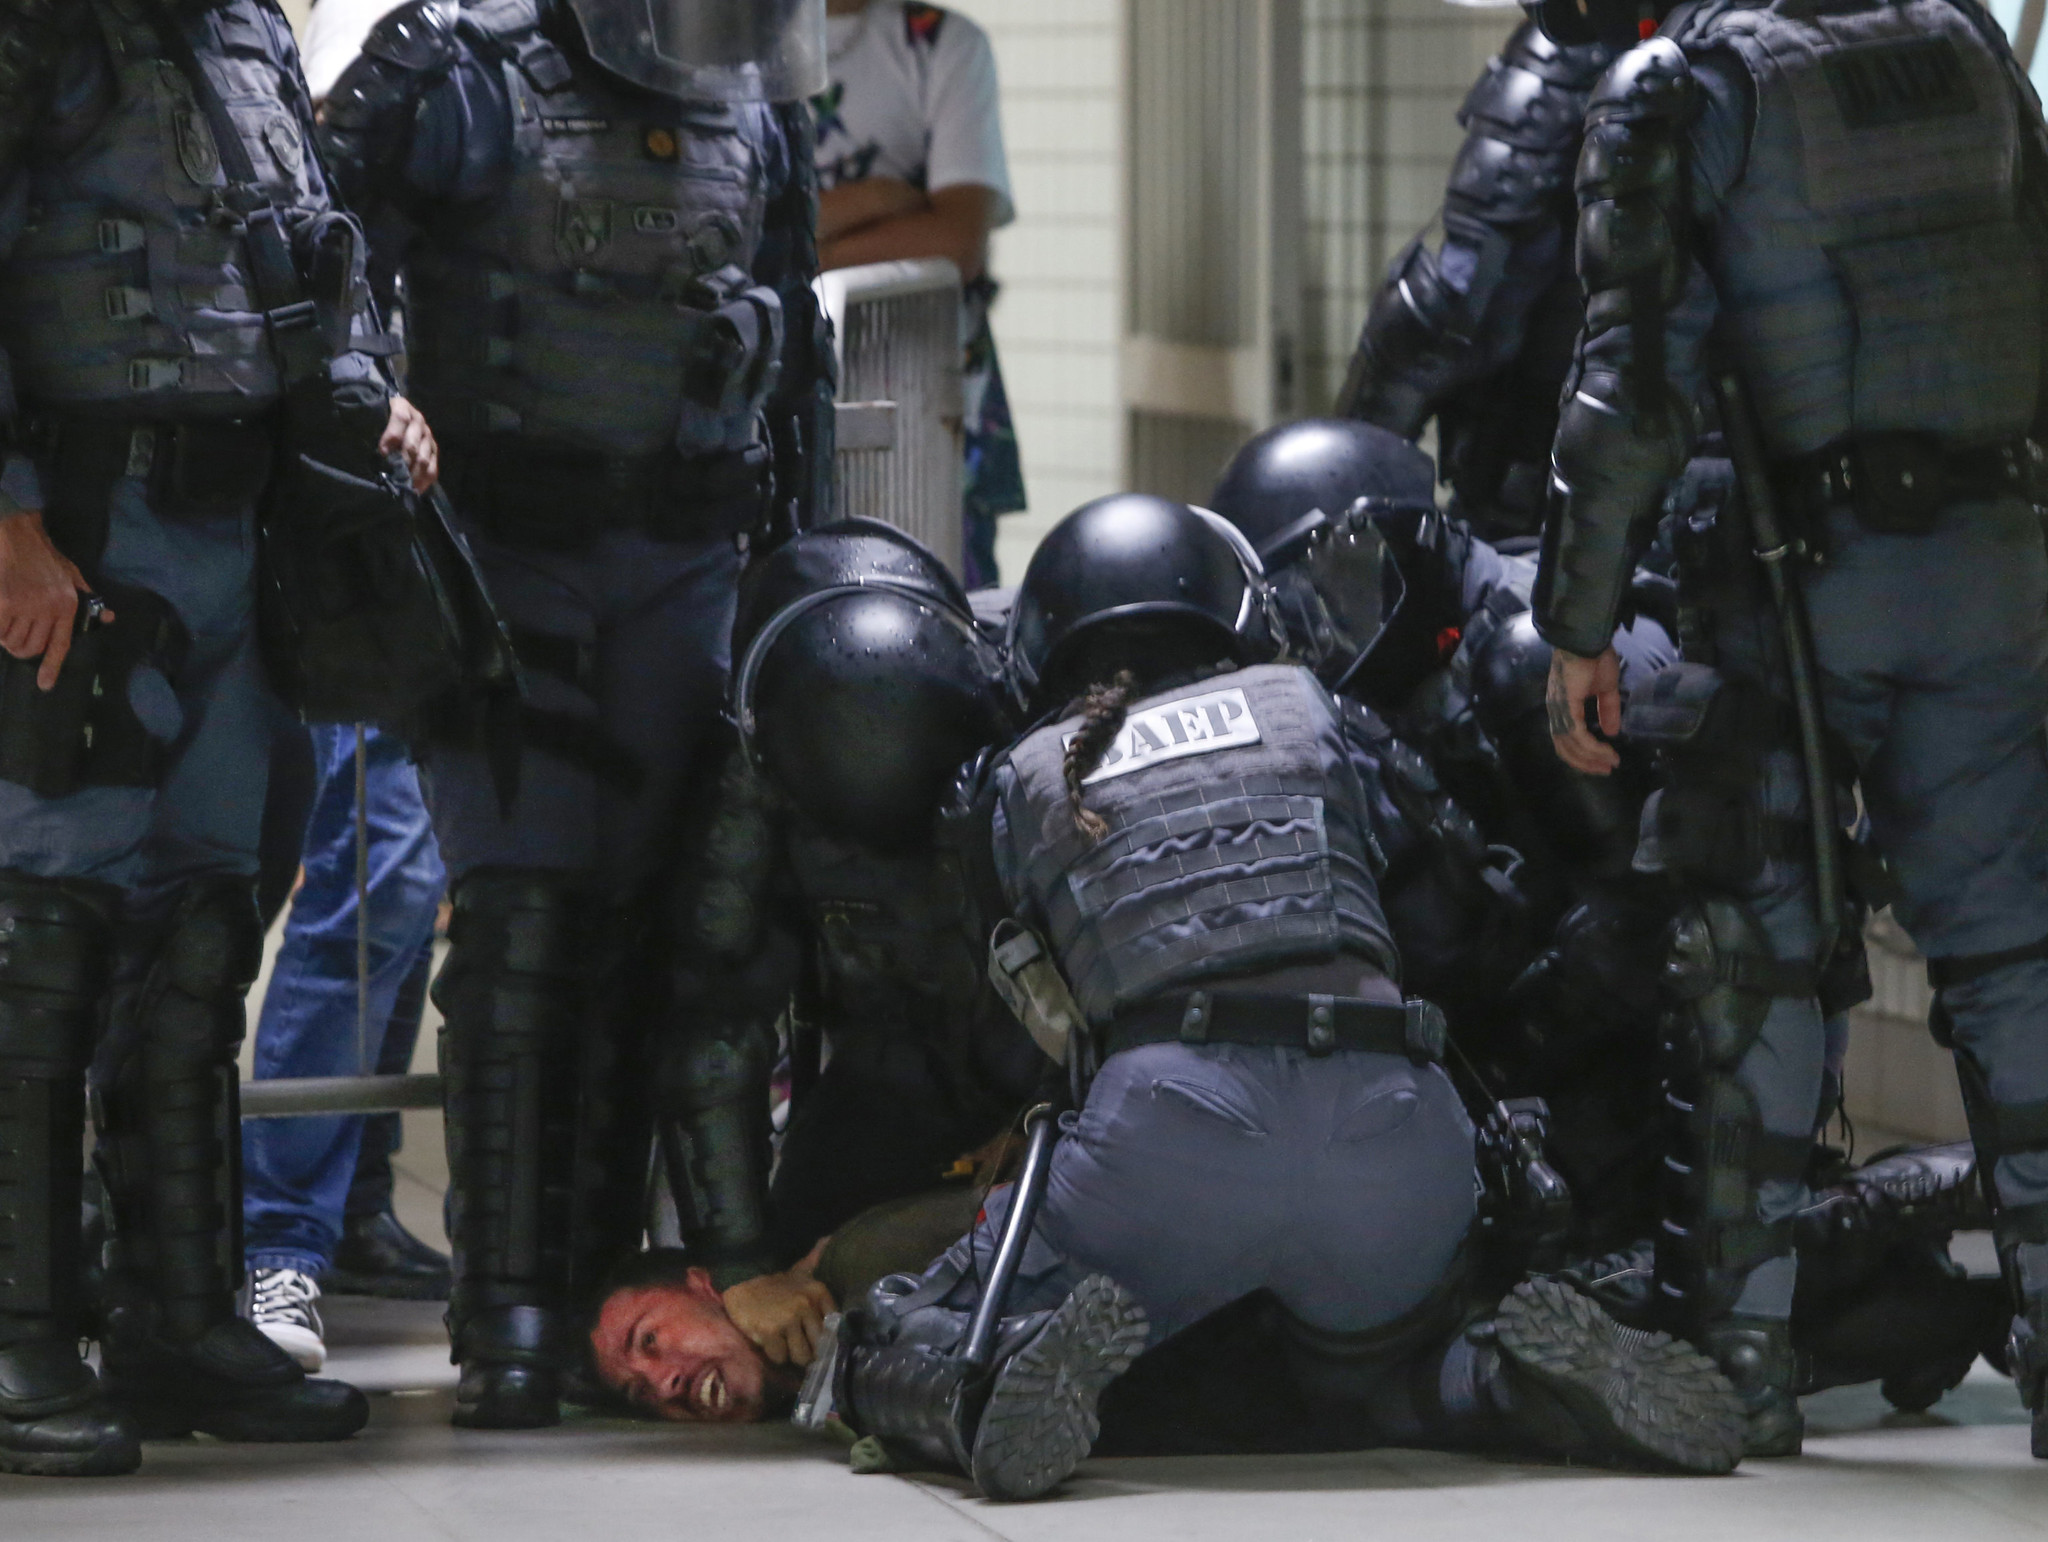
(672,1350)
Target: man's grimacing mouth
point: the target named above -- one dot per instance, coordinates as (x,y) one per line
(711,1395)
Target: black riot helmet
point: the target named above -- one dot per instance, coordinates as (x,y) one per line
(1129,557)
(860,693)
(1312,497)
(710,50)
(846,551)
(1288,481)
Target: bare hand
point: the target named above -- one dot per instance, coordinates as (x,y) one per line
(39,590)
(407,434)
(783,1314)
(1574,681)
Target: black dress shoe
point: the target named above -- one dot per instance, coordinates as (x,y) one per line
(53,1422)
(378,1257)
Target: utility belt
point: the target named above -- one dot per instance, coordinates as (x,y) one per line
(1322,1025)
(191,469)
(1898,483)
(527,492)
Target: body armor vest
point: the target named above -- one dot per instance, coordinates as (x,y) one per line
(602,299)
(129,288)
(1238,841)
(1872,269)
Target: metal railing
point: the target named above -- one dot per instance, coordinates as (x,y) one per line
(897,327)
(292,1097)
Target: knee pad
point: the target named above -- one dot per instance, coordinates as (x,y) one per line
(516,941)
(56,954)
(1722,976)
(213,949)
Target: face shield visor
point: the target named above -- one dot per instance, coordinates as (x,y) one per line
(1332,576)
(710,50)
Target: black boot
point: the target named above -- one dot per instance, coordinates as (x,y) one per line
(177,1357)
(55,951)
(1756,1355)
(377,1256)
(513,996)
(1576,1383)
(1018,1427)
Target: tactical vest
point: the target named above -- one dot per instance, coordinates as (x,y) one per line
(1871,267)
(583,304)
(1238,841)
(127,287)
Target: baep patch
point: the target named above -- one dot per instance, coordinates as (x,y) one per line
(1194,725)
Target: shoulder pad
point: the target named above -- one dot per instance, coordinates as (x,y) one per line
(1573,66)
(1520,106)
(419,38)
(513,28)
(1652,79)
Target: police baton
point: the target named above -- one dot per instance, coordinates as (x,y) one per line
(1746,450)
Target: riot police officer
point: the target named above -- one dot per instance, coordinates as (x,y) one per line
(821,886)
(608,303)
(175,267)
(1475,321)
(1184,841)
(1835,219)
(1552,988)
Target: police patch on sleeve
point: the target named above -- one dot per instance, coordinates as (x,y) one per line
(1194,725)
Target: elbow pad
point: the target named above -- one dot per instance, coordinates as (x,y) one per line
(1413,351)
(1622,431)
(369,113)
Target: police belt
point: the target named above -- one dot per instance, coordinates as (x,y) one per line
(1898,483)
(193,468)
(529,492)
(1319,1024)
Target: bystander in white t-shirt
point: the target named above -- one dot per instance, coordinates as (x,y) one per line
(913,96)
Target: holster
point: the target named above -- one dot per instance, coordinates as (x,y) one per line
(372,608)
(84,732)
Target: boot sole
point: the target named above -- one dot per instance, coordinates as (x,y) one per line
(1040,1421)
(1645,1398)
(114,1460)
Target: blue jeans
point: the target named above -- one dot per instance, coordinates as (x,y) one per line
(296,1172)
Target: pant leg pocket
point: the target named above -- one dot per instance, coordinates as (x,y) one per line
(1378,1111)
(1211,1100)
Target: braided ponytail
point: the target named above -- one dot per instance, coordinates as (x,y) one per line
(1102,710)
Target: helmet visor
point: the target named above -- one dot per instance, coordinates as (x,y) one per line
(710,50)
(1344,562)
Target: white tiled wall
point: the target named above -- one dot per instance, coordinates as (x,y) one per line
(1056,323)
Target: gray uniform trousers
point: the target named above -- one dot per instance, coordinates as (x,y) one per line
(1933,654)
(218,715)
(1196,1175)
(658,615)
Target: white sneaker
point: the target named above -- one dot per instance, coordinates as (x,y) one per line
(281,1305)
